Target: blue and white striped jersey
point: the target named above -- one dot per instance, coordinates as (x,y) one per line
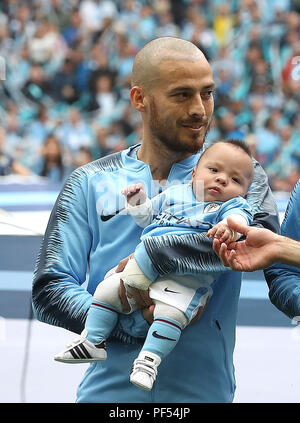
(89,233)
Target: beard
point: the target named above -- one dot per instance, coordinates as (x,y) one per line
(165,132)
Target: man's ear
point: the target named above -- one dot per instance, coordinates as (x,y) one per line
(194,172)
(137,98)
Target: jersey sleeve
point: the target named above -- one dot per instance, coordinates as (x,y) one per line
(284,280)
(193,253)
(236,206)
(142,213)
(57,295)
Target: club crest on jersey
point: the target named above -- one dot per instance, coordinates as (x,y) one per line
(211,207)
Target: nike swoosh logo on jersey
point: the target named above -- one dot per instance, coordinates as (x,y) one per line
(169,290)
(105,218)
(157,335)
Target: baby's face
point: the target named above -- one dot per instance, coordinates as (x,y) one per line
(224,172)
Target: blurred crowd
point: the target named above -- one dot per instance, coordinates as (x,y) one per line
(65,78)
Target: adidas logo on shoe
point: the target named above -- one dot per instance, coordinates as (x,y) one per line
(82,351)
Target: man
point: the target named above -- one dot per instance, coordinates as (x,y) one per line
(172,88)
(279,255)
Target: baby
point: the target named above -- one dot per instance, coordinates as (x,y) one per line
(217,189)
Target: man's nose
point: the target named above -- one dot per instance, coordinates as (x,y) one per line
(197,108)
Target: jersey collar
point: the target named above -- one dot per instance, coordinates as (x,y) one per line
(129,157)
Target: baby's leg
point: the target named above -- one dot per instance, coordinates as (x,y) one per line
(165,331)
(163,335)
(101,319)
(103,312)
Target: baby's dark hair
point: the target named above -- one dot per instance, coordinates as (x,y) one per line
(239,143)
(233,141)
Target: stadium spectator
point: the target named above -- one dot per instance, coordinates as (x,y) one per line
(72,32)
(47,44)
(64,83)
(37,87)
(268,142)
(56,52)
(75,133)
(83,157)
(103,99)
(9,164)
(51,162)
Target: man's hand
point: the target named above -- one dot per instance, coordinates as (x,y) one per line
(122,263)
(199,313)
(258,251)
(148,306)
(141,297)
(134,277)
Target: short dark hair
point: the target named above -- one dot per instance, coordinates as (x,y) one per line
(233,141)
(240,143)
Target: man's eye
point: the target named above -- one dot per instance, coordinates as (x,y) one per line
(207,94)
(181,95)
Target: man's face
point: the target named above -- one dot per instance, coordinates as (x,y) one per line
(181,104)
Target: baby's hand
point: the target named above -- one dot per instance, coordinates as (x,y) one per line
(135,194)
(223,233)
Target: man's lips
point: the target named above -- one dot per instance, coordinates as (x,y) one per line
(194,126)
